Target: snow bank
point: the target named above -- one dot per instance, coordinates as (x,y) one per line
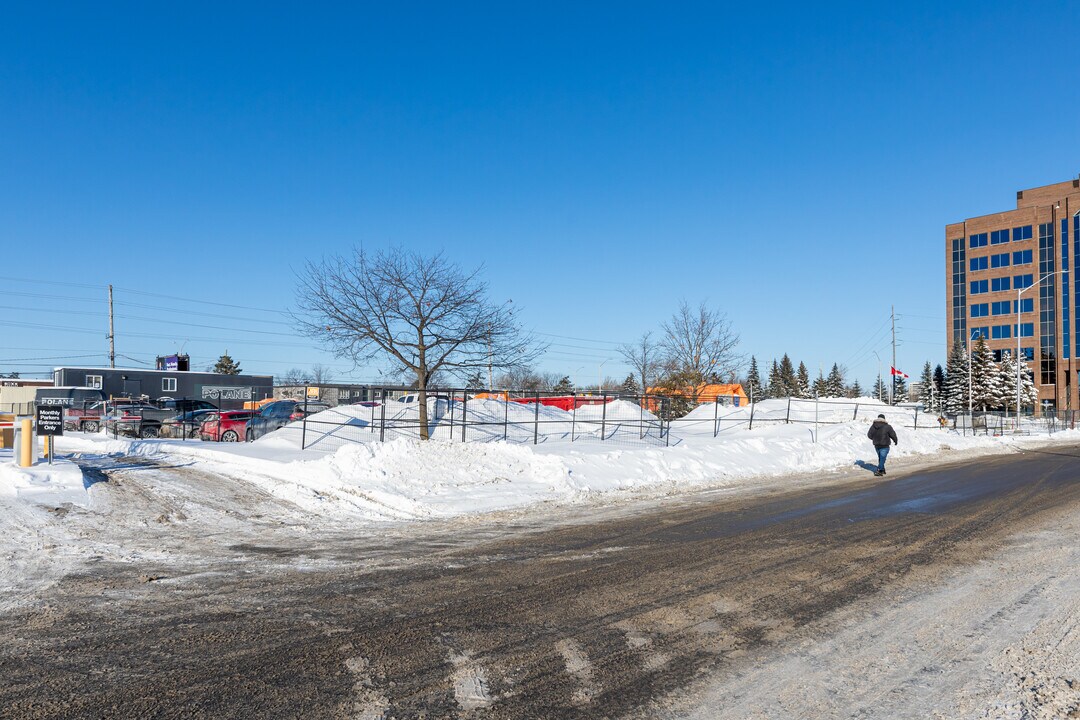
(44,484)
(405,479)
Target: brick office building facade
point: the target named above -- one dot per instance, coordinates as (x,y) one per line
(1034,249)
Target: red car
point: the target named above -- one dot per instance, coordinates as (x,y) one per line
(225,426)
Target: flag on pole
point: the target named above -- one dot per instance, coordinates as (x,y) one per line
(898,372)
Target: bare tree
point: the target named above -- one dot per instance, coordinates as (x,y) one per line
(644,357)
(295,376)
(422,313)
(700,343)
(321,374)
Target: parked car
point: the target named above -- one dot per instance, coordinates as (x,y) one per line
(224,425)
(186,425)
(184,405)
(280,413)
(134,419)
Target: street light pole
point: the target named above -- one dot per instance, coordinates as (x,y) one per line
(1020,292)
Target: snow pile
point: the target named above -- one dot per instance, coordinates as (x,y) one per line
(44,484)
(405,478)
(487,420)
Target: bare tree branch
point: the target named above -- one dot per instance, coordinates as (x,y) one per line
(423,313)
(700,342)
(644,357)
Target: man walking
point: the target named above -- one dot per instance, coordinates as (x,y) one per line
(881,433)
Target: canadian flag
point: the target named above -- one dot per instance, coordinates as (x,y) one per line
(898,372)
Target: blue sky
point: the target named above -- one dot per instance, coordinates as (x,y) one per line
(794,166)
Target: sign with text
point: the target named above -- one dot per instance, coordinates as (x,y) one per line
(49,420)
(313,392)
(225,392)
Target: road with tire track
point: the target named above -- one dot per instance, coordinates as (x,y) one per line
(621,617)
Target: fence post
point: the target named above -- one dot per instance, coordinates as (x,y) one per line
(916,418)
(536,420)
(787,418)
(506,414)
(752,406)
(372,423)
(450,406)
(716,415)
(603,416)
(382,416)
(303,428)
(641,418)
(856,415)
(464,414)
(573,415)
(667,437)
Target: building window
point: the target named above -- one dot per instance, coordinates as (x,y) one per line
(343,393)
(1000,260)
(979,286)
(1023,281)
(980,310)
(977,241)
(997,237)
(1026,305)
(1027,354)
(168,384)
(1021,257)
(1021,233)
(1002,307)
(1047,306)
(1076,295)
(999,284)
(977,263)
(1065,335)
(980,332)
(959,290)
(1027,330)
(93,381)
(1000,332)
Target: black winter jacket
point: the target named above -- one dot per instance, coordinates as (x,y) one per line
(880,433)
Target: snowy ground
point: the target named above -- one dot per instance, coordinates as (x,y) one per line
(186,496)
(1000,634)
(996,641)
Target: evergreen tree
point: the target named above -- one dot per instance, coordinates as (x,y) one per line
(986,388)
(855,390)
(954,393)
(928,397)
(803,379)
(776,382)
(475,382)
(899,390)
(835,382)
(629,386)
(821,387)
(1028,394)
(753,381)
(565,387)
(226,366)
(789,381)
(880,391)
(939,385)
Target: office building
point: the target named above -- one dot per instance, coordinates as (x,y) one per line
(1013,272)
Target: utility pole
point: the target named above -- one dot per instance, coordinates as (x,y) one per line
(112,337)
(892,371)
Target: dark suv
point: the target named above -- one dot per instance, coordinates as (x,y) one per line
(280,413)
(182,405)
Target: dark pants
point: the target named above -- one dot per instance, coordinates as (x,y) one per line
(882,453)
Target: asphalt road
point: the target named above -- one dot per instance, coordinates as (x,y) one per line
(591,620)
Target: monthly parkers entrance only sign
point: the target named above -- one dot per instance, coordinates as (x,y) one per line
(50,420)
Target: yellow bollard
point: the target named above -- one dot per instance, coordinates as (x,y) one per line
(26,456)
(47,440)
